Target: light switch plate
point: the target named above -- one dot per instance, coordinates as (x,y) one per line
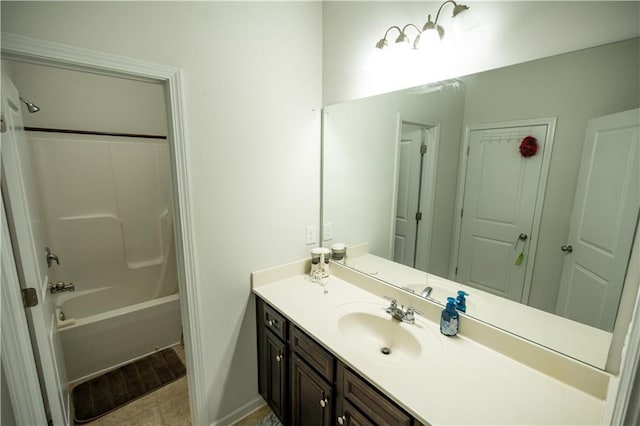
(310,235)
(327,231)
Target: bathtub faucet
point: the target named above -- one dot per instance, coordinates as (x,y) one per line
(61,286)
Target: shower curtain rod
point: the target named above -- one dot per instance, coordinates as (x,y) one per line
(87,132)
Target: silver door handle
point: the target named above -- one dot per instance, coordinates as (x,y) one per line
(50,257)
(567,248)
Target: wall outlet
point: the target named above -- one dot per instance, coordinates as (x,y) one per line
(310,235)
(327,231)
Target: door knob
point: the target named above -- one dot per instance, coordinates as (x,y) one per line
(567,248)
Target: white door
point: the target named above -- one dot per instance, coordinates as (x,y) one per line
(21,194)
(500,194)
(603,221)
(408,194)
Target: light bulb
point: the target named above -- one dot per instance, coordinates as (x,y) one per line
(429,39)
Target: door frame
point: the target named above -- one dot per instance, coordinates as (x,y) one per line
(550,122)
(43,52)
(428,185)
(18,361)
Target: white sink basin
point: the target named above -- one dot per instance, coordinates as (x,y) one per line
(370,330)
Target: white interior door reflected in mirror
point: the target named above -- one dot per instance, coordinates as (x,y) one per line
(500,198)
(604,212)
(414,195)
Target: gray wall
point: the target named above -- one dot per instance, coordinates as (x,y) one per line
(252,82)
(360,167)
(86,101)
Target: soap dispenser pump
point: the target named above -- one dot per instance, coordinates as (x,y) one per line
(449,318)
(461,302)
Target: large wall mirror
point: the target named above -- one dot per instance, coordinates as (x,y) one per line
(519,186)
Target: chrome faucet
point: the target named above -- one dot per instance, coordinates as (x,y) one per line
(399,313)
(426,292)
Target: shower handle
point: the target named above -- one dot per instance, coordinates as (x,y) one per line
(61,286)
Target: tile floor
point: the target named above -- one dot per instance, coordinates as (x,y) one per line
(253,418)
(168,406)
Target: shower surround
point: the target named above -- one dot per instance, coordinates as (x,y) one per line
(108,212)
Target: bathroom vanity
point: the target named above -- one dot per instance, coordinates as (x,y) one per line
(301,380)
(339,358)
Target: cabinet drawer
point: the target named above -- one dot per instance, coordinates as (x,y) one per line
(364,397)
(275,322)
(315,355)
(348,415)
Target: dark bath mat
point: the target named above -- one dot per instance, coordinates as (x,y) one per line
(116,388)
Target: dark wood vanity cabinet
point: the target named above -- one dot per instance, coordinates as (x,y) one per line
(273,360)
(305,385)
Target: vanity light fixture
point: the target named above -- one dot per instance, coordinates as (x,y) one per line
(431,32)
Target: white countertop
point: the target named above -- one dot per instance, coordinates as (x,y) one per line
(461,382)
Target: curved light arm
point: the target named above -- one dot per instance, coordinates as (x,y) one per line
(382,43)
(457,8)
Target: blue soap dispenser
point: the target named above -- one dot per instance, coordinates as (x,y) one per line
(449,318)
(461,302)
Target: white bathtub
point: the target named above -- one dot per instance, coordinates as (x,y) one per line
(100,334)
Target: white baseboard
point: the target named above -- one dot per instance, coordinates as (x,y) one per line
(240,413)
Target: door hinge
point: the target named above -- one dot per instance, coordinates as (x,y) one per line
(3,124)
(456,273)
(423,149)
(418,216)
(29,297)
(461,212)
(468,146)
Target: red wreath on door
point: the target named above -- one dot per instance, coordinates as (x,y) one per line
(528,147)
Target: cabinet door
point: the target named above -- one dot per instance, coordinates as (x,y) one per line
(347,414)
(311,396)
(275,365)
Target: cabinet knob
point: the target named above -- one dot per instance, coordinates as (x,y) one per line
(278,357)
(323,402)
(272,323)
(341,420)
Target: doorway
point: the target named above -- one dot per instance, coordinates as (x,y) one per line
(603,221)
(16,47)
(416,171)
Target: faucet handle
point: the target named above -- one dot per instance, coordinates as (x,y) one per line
(409,314)
(411,309)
